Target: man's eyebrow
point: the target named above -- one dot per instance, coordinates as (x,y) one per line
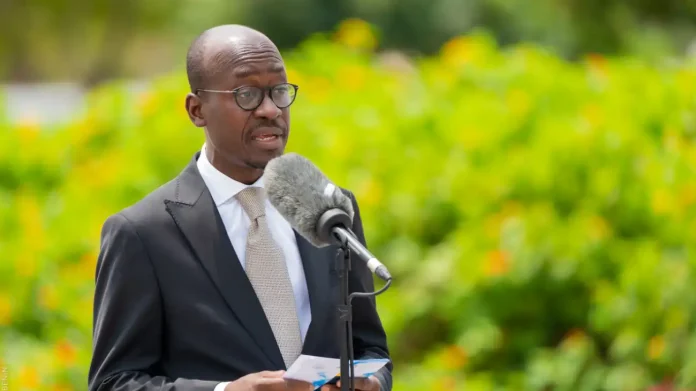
(246,71)
(276,68)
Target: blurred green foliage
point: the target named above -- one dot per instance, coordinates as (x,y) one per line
(93,41)
(539,216)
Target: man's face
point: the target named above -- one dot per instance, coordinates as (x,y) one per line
(247,128)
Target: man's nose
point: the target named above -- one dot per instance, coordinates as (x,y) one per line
(267,109)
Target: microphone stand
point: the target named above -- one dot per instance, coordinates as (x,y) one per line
(345,313)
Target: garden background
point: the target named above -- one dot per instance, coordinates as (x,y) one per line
(526,170)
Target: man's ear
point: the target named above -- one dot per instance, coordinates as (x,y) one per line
(193,108)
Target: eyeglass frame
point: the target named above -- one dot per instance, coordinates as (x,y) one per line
(266,92)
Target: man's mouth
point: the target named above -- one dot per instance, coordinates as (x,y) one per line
(268,138)
(265,137)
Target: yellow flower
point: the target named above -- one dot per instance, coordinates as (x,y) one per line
(30,216)
(48,297)
(662,202)
(5,309)
(28,131)
(28,378)
(454,357)
(27,265)
(457,51)
(82,270)
(687,196)
(356,34)
(656,347)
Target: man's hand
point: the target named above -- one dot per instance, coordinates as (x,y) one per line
(360,384)
(267,381)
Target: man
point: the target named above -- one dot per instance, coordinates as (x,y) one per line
(202,285)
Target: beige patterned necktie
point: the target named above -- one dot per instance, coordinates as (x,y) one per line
(267,271)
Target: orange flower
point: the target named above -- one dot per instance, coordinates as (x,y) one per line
(66,353)
(61,387)
(497,263)
(574,337)
(597,63)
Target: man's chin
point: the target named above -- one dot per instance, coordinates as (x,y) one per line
(260,163)
(258,166)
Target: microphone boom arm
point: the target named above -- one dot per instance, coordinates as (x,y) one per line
(333,228)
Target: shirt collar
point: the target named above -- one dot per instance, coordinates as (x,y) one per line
(222,188)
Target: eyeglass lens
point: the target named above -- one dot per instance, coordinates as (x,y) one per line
(251,97)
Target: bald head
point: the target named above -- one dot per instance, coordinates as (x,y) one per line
(223,48)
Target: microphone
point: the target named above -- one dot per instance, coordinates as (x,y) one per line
(315,207)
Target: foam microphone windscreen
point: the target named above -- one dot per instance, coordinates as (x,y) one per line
(302,193)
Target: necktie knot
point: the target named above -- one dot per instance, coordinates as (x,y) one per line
(252,201)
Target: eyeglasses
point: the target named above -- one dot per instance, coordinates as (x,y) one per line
(249,98)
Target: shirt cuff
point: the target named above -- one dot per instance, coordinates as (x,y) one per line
(221,386)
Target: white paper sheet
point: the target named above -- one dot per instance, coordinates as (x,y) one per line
(320,370)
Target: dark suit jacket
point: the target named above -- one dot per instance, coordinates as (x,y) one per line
(174,310)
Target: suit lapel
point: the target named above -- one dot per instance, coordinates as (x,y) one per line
(196,215)
(318,264)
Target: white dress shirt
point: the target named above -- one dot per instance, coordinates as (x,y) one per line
(223,189)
